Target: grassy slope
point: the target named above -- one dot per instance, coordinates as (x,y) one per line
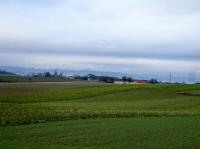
(165,133)
(99,102)
(24,104)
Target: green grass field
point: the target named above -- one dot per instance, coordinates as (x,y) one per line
(99,116)
(115,133)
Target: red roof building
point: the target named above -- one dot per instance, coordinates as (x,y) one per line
(141,81)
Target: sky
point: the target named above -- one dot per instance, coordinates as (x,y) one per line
(148,38)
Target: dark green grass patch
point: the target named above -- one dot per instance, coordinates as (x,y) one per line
(117,133)
(191,93)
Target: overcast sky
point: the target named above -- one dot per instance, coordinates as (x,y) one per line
(132,36)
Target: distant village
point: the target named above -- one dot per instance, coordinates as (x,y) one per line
(60,77)
(98,78)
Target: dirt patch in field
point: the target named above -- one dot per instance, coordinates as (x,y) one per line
(191,93)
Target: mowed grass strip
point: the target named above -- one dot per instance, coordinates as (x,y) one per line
(115,133)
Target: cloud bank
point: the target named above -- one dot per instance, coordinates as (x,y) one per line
(146,36)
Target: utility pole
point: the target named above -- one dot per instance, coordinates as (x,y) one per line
(170,78)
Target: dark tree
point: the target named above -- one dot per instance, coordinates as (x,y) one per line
(61,75)
(29,79)
(55,74)
(47,74)
(124,78)
(77,77)
(39,74)
(110,80)
(92,77)
(106,79)
(153,81)
(84,78)
(129,79)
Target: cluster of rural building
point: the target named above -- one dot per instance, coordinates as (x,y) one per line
(105,79)
(92,77)
(115,80)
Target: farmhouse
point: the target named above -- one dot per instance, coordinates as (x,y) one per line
(131,82)
(140,81)
(119,82)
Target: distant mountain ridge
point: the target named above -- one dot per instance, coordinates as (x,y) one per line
(5,73)
(66,72)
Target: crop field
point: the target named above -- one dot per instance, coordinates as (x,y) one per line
(94,115)
(16,78)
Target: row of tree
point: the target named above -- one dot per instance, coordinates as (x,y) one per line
(91,77)
(48,75)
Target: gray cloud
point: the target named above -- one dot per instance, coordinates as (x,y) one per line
(167,52)
(164,30)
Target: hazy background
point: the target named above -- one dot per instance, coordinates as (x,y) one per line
(143,38)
